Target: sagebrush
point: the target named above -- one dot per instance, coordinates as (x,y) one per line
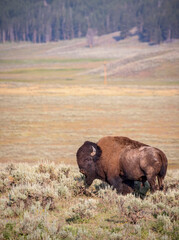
(48,201)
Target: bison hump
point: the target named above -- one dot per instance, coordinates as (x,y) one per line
(129,142)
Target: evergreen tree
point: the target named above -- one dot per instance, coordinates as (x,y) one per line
(53,20)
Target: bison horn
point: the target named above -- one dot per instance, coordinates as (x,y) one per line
(93,152)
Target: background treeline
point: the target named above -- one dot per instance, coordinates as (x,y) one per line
(53,20)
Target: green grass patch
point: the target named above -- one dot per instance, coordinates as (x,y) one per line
(41,70)
(49,60)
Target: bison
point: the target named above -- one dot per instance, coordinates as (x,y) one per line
(121,161)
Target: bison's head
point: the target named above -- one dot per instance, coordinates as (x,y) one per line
(87,156)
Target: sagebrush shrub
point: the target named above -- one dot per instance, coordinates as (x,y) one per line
(108,194)
(84,209)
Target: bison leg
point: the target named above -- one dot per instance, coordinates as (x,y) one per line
(116,182)
(160,182)
(151,179)
(127,186)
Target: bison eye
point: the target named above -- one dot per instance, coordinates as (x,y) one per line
(87,159)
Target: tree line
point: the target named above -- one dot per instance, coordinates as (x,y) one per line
(52,20)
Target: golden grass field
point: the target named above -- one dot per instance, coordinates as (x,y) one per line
(53,97)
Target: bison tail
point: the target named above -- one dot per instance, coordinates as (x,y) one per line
(163,169)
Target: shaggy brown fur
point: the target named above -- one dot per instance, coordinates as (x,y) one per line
(120,161)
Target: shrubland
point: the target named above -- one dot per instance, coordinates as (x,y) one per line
(48,201)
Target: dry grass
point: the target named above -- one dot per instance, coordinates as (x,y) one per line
(81,91)
(50,122)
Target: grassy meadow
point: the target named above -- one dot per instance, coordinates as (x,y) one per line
(53,97)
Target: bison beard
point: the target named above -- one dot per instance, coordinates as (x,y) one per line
(125,164)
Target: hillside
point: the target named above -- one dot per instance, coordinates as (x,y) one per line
(127,61)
